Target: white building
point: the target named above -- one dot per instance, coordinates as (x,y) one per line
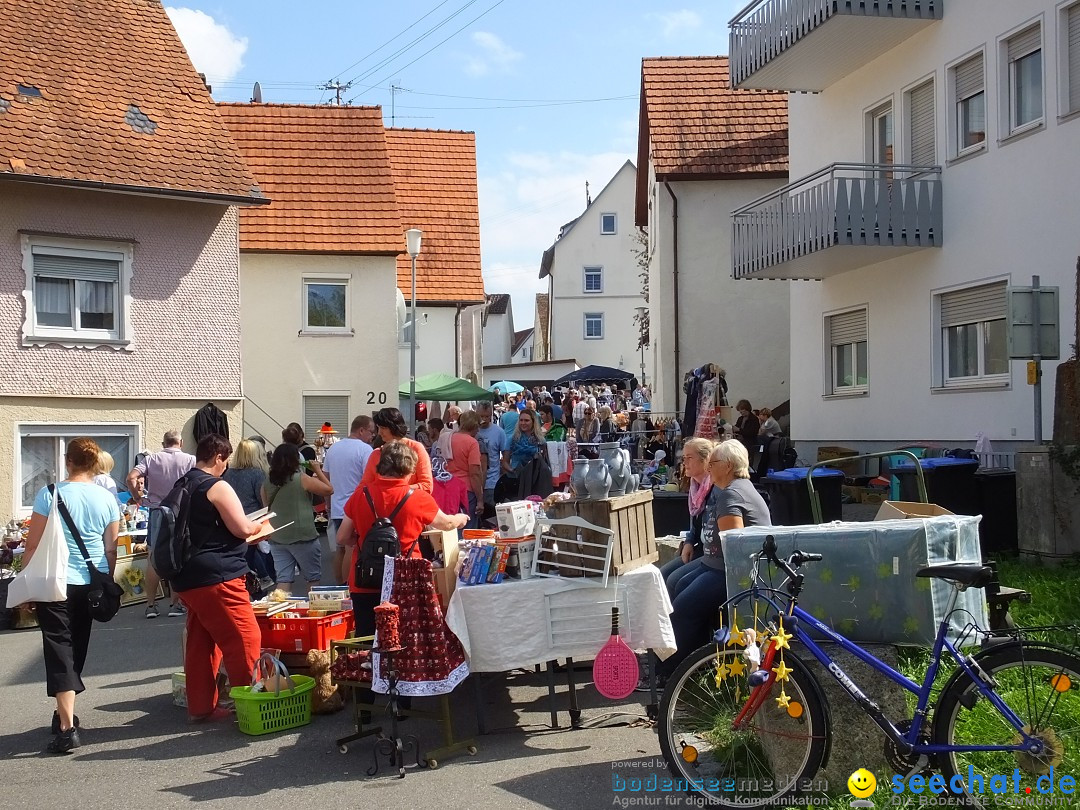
(940,152)
(594,284)
(498,329)
(705,150)
(522,350)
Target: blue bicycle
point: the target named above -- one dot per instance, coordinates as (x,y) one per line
(752,729)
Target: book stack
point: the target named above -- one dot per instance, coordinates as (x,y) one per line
(484,563)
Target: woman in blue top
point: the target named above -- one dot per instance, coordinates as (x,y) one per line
(65,626)
(526,442)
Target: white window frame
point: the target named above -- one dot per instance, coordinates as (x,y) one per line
(1007,83)
(64,431)
(33,334)
(1068,96)
(343,279)
(831,354)
(941,379)
(598,316)
(874,114)
(588,270)
(955,150)
(614,223)
(909,118)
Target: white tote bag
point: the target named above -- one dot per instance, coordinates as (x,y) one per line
(44,579)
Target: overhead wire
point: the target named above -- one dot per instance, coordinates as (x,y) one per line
(364,58)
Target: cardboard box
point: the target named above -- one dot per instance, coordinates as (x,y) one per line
(898,510)
(516,519)
(179,690)
(445,578)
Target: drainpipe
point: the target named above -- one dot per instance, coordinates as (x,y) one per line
(457,340)
(675,283)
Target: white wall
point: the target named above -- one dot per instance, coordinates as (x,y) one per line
(524,353)
(585,246)
(498,333)
(1009,212)
(741,326)
(280,366)
(436,342)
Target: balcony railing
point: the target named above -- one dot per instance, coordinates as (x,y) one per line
(764,32)
(858,207)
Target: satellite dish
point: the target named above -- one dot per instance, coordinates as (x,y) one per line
(256,94)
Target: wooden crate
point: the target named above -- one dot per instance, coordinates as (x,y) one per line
(629,516)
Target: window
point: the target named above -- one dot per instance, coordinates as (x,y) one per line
(42,449)
(594,280)
(326,305)
(594,325)
(881,135)
(922,134)
(973,335)
(607,224)
(847,333)
(1025,92)
(1070,50)
(76,292)
(320,408)
(969,91)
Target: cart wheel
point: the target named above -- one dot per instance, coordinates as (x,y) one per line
(344,749)
(432,763)
(472,750)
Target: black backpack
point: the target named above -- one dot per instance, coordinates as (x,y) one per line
(380,542)
(170,528)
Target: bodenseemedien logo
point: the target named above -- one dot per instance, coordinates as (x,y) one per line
(862,784)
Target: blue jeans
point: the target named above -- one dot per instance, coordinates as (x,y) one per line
(675,569)
(474,521)
(698,596)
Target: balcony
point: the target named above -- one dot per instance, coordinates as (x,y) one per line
(846,216)
(807,45)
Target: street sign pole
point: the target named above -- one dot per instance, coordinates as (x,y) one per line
(1037,357)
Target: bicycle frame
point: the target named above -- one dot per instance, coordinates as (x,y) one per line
(908,741)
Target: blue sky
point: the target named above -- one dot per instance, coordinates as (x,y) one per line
(550,89)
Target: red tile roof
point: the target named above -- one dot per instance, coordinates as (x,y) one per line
(328,173)
(113,101)
(694,126)
(435,178)
(519,339)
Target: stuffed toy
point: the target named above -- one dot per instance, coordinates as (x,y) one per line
(326,699)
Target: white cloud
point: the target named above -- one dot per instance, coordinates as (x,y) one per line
(213,48)
(676,23)
(492,53)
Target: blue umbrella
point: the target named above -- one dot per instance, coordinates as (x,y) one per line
(505,387)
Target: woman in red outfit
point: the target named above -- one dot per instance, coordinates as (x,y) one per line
(220,622)
(392,428)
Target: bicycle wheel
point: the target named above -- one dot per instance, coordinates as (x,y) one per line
(757,766)
(1041,684)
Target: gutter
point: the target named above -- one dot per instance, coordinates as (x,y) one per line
(675,282)
(97,185)
(457,340)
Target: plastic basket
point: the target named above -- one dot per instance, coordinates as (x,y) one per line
(264,712)
(298,635)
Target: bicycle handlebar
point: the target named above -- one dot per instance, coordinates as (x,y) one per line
(791,565)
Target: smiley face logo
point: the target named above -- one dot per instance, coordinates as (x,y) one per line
(862,783)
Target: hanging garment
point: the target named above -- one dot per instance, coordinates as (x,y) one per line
(433,661)
(705,425)
(210,419)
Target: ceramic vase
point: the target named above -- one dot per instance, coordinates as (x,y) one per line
(612,456)
(577,478)
(598,479)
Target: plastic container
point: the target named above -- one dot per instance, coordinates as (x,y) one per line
(789,497)
(260,713)
(950,482)
(298,635)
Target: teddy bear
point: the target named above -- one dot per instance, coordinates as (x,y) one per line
(326,698)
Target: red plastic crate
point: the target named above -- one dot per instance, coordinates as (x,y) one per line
(305,633)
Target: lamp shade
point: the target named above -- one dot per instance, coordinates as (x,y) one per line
(412,241)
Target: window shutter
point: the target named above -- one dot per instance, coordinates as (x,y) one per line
(1024,43)
(923,141)
(83,268)
(973,305)
(847,327)
(968,77)
(319,409)
(1074,58)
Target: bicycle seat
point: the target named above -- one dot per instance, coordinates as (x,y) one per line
(971,575)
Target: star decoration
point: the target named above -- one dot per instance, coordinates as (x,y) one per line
(736,667)
(782,671)
(783,701)
(738,638)
(721,674)
(782,637)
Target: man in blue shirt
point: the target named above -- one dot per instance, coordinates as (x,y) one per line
(344,465)
(493,441)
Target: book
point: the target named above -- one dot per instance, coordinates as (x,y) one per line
(267,530)
(259,515)
(498,562)
(467,565)
(479,574)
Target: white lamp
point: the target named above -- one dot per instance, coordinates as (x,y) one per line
(412,245)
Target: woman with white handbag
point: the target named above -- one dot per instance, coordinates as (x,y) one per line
(65,619)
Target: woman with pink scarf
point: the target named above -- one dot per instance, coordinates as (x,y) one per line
(695,462)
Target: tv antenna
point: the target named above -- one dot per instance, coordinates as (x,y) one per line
(394,90)
(337,88)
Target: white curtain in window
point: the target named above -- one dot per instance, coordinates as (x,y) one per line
(52,296)
(96,297)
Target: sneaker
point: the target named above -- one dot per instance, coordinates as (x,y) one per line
(151,612)
(177,610)
(64,741)
(56,722)
(643,684)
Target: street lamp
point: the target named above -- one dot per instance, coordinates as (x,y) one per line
(641,335)
(412,245)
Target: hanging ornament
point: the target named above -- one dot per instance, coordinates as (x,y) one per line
(783,702)
(737,638)
(782,638)
(736,667)
(782,670)
(721,674)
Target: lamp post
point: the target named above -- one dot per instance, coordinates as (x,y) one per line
(412,245)
(641,334)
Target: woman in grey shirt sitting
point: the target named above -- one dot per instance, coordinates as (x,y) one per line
(733,504)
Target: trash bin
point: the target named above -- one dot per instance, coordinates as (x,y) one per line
(996,492)
(789,497)
(950,483)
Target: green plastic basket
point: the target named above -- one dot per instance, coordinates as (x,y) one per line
(264,712)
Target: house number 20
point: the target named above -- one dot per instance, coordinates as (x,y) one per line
(372,397)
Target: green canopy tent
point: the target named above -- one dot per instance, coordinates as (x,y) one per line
(445,388)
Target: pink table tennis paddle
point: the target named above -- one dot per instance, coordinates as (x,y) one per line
(615,670)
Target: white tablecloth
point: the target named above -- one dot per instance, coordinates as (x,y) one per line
(517,624)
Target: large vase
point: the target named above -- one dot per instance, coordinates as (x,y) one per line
(598,479)
(577,478)
(612,456)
